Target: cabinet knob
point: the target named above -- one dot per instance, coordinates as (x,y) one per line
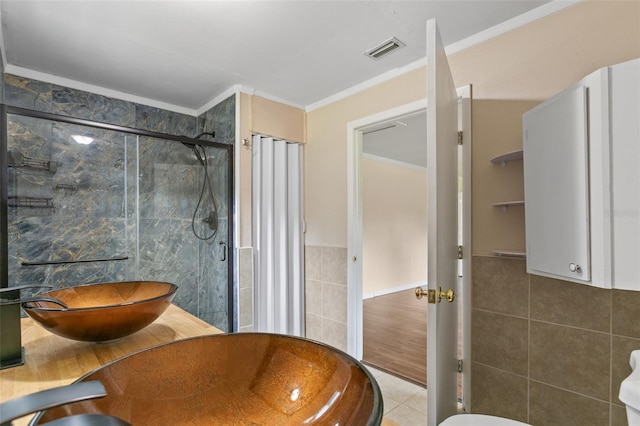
(574,268)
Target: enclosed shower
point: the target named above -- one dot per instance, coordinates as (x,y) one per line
(87,202)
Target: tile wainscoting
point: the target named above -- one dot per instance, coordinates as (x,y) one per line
(326,295)
(245,285)
(549,352)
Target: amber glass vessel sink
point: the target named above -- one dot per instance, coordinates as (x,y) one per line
(104,311)
(234,379)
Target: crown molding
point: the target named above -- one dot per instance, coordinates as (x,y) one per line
(233,90)
(253,92)
(526,18)
(78,85)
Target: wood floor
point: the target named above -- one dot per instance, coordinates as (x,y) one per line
(395,335)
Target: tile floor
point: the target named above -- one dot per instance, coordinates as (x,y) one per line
(405,404)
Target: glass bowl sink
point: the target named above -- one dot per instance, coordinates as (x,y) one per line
(104,311)
(234,379)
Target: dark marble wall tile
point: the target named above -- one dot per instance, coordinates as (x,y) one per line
(214,291)
(163,121)
(220,119)
(571,358)
(563,302)
(168,254)
(626,313)
(500,341)
(213,266)
(91,106)
(1,81)
(26,93)
(87,273)
(550,406)
(498,393)
(501,285)
(95,216)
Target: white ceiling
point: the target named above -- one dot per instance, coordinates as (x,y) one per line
(401,140)
(183,54)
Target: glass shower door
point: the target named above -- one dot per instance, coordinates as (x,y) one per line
(66,203)
(183,214)
(89,203)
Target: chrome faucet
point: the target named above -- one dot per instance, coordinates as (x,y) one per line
(11,350)
(81,391)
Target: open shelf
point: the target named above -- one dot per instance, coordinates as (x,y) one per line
(30,202)
(509,156)
(506,204)
(510,253)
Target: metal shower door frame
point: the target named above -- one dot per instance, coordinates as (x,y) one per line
(4,254)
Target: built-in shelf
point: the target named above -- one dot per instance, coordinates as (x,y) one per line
(506,204)
(509,253)
(16,159)
(505,158)
(30,202)
(66,187)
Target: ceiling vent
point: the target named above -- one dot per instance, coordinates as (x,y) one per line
(382,49)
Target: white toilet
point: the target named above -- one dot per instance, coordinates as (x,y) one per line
(630,390)
(629,394)
(480,420)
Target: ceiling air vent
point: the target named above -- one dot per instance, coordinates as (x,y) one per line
(382,49)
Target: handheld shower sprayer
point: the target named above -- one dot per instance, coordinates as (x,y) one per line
(212,218)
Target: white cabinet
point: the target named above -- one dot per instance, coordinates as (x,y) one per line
(582,181)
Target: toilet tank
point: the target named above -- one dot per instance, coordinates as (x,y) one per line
(630,390)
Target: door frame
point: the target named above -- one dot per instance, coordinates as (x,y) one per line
(355,229)
(354,220)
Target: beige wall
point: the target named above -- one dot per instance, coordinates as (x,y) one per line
(394,244)
(544,351)
(272,118)
(326,153)
(509,74)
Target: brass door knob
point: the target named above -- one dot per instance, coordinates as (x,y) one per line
(420,293)
(435,297)
(450,295)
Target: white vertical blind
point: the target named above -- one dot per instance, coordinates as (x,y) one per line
(277,232)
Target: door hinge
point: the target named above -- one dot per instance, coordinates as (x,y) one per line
(459,137)
(459,252)
(459,366)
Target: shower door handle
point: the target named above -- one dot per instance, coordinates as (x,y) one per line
(224,250)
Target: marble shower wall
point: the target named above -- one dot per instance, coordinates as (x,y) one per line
(213,296)
(95,213)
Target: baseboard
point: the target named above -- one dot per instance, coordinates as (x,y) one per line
(379,293)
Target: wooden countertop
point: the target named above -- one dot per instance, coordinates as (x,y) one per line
(52,361)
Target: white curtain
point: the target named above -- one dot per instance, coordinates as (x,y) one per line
(277,236)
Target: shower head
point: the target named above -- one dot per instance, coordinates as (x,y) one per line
(192,145)
(212,134)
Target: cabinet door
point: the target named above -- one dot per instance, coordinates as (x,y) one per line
(557,187)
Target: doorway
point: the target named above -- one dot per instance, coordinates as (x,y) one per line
(394,243)
(355,292)
(355,136)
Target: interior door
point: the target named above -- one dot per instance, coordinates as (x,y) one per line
(442,189)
